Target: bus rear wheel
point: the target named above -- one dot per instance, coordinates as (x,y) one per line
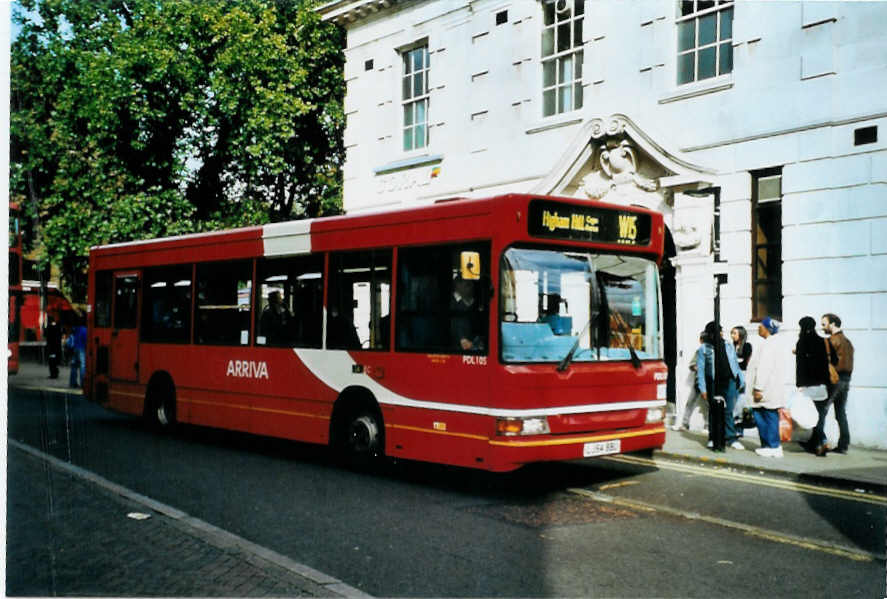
(160,404)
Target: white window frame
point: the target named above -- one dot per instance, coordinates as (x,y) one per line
(413,104)
(563,89)
(698,10)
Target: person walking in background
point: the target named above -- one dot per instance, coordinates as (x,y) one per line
(841,356)
(78,362)
(695,396)
(766,383)
(719,378)
(53,347)
(811,377)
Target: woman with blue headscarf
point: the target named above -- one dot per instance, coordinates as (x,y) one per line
(766,379)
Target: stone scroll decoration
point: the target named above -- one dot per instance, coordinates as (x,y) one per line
(620,171)
(617,169)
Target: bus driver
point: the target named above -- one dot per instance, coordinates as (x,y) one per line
(463,316)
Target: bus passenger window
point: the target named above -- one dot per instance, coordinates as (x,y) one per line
(290,302)
(103,295)
(126,303)
(166,316)
(359,300)
(443,299)
(224,301)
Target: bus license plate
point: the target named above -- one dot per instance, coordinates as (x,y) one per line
(601,448)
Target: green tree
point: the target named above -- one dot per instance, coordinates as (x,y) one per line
(144,118)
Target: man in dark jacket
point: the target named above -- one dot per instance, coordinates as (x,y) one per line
(841,355)
(53,337)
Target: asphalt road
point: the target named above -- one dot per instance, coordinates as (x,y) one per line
(609,527)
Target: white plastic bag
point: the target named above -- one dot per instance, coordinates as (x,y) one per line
(816,393)
(802,409)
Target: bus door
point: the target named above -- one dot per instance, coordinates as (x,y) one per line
(124,345)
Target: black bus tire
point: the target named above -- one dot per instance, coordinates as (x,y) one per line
(359,435)
(160,403)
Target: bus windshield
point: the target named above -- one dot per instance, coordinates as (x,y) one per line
(597,306)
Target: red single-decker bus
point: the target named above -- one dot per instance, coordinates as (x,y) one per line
(13,331)
(487,333)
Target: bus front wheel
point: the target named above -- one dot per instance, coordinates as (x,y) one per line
(360,436)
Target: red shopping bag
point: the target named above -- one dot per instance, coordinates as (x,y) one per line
(785,425)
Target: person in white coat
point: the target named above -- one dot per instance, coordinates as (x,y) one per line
(766,379)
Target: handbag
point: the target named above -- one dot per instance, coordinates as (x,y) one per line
(785,425)
(747,420)
(832,371)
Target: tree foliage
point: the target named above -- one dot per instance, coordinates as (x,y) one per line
(134,119)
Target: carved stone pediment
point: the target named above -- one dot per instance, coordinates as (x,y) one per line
(617,169)
(611,159)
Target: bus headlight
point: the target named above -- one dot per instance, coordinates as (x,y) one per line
(655,415)
(511,427)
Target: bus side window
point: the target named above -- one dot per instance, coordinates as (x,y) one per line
(290,302)
(359,300)
(442,306)
(224,301)
(103,299)
(166,315)
(126,304)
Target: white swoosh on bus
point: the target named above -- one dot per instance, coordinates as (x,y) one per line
(334,369)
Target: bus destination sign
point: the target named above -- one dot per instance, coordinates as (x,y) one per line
(556,220)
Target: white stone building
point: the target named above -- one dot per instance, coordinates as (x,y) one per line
(758,128)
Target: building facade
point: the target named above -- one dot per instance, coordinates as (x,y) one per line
(756,128)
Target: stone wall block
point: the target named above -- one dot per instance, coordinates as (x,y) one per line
(828,173)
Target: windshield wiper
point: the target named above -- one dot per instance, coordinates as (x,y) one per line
(626,339)
(569,357)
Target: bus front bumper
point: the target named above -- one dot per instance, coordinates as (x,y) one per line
(510,453)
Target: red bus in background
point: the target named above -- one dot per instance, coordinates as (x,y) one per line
(13,332)
(482,333)
(34,320)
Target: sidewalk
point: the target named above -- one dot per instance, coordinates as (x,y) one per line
(858,468)
(67,536)
(866,468)
(70,532)
(33,375)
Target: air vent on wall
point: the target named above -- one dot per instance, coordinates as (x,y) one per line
(865,135)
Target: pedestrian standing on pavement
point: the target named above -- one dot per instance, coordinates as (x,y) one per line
(741,346)
(811,377)
(53,338)
(766,381)
(78,362)
(841,356)
(719,378)
(695,396)
(743,349)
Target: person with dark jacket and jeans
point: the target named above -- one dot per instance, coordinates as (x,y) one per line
(719,379)
(841,356)
(811,370)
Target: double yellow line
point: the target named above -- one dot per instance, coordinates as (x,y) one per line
(755,531)
(754,479)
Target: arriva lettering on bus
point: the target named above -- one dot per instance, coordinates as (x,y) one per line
(247,369)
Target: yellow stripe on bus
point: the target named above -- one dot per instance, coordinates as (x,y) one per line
(572,440)
(437,432)
(251,408)
(540,443)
